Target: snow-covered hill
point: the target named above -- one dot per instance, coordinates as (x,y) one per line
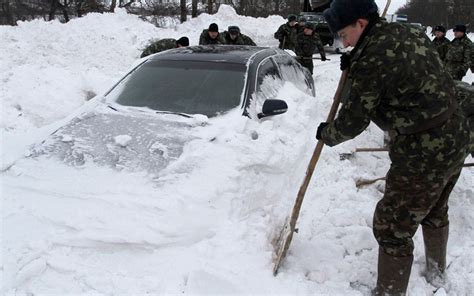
(48,70)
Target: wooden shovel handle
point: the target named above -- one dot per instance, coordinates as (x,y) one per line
(317,152)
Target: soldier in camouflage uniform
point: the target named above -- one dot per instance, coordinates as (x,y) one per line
(301,24)
(287,33)
(306,43)
(164,44)
(458,58)
(211,36)
(441,42)
(465,96)
(233,37)
(399,83)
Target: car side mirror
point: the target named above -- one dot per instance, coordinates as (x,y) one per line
(273,107)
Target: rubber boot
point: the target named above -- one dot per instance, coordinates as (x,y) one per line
(436,242)
(393,274)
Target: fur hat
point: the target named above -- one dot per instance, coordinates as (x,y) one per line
(460,28)
(342,13)
(309,26)
(440,29)
(213,28)
(233,30)
(183,41)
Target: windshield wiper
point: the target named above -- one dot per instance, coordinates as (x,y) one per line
(174,113)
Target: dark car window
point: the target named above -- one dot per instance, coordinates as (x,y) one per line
(191,87)
(266,69)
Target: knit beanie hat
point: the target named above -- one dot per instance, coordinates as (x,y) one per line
(213,28)
(342,13)
(183,41)
(460,28)
(440,29)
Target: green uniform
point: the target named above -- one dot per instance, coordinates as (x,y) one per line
(241,39)
(465,96)
(397,81)
(204,39)
(442,46)
(160,45)
(287,36)
(458,58)
(305,47)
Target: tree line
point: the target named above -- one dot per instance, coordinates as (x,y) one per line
(12,11)
(439,12)
(427,12)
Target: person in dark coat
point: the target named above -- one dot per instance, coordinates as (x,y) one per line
(164,44)
(441,42)
(306,44)
(211,36)
(233,36)
(287,33)
(398,82)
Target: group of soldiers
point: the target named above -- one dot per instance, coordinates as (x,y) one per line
(211,35)
(457,55)
(302,38)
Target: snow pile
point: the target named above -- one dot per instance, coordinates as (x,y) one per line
(92,230)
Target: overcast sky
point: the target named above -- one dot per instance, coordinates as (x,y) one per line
(396,4)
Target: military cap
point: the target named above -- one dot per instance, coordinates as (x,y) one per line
(342,13)
(233,30)
(440,29)
(213,28)
(309,26)
(291,18)
(460,28)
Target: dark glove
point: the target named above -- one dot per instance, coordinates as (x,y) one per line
(345,61)
(321,126)
(323,57)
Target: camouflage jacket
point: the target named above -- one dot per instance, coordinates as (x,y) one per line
(204,39)
(465,96)
(306,45)
(160,45)
(287,36)
(458,58)
(395,80)
(442,46)
(242,39)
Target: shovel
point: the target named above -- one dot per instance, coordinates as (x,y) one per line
(364,182)
(283,241)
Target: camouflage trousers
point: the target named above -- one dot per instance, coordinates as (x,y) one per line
(425,168)
(306,62)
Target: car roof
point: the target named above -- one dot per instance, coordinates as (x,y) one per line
(239,54)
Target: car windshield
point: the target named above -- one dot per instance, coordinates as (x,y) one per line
(191,87)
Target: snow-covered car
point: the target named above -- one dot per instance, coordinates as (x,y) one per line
(144,121)
(143,187)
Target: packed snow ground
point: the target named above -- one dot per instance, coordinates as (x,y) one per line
(105,232)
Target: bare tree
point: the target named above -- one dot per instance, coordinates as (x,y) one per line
(183,10)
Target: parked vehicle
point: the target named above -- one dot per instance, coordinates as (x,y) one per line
(149,103)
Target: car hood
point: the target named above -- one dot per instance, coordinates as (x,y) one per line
(130,141)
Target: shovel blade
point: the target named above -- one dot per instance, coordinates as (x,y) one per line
(282,245)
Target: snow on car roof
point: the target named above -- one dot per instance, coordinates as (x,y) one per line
(225,53)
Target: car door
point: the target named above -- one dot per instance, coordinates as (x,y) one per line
(267,81)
